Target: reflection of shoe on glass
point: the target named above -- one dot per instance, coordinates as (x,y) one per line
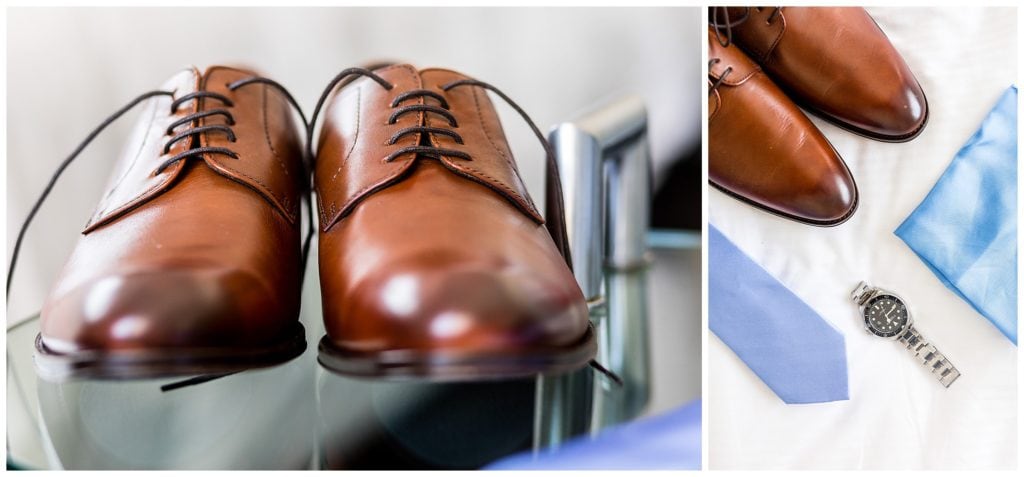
(764,151)
(192,262)
(434,261)
(836,62)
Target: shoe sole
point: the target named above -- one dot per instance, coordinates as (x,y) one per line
(164,363)
(435,366)
(779,213)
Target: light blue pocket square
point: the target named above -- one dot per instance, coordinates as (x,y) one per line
(965,230)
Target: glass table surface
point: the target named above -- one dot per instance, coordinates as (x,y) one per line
(300,416)
(293,416)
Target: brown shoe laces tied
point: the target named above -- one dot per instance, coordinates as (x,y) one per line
(555,225)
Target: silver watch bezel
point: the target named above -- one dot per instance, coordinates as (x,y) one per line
(877,292)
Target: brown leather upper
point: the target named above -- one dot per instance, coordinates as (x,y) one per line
(764,150)
(205,253)
(351,181)
(433,254)
(836,62)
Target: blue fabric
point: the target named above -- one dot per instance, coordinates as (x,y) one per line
(798,354)
(669,441)
(965,230)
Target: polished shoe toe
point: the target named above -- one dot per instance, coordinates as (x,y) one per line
(902,117)
(160,310)
(832,201)
(464,308)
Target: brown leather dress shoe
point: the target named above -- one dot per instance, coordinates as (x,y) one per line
(764,151)
(192,262)
(837,63)
(434,260)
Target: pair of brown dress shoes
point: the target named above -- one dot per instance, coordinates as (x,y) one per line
(837,63)
(433,259)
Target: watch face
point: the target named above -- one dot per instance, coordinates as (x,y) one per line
(886,316)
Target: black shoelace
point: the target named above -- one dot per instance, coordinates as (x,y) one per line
(183,134)
(721,78)
(723,26)
(556,226)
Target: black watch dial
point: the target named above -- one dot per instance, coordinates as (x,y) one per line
(886,316)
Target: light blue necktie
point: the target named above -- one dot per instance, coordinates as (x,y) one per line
(670,441)
(798,354)
(965,230)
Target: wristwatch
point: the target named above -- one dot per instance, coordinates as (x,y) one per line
(886,315)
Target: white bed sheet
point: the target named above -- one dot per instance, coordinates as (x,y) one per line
(898,416)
